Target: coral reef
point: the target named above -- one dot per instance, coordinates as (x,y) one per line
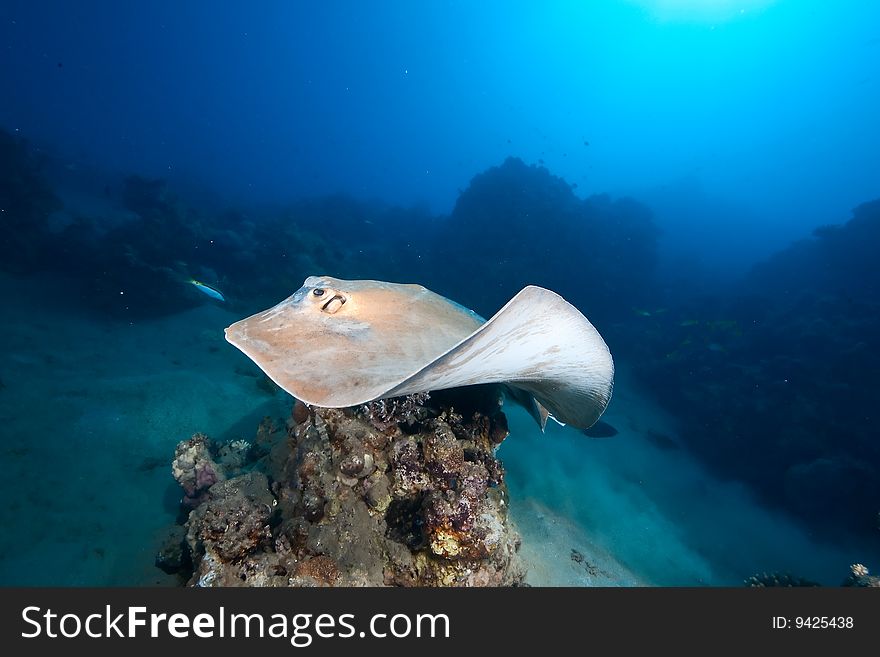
(514,225)
(762,580)
(403,493)
(767,580)
(136,261)
(517,225)
(775,381)
(859,576)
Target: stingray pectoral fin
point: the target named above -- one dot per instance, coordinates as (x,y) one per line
(539,343)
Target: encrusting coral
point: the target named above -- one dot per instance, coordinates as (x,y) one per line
(406,494)
(195,469)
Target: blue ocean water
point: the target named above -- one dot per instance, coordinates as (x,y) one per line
(701,178)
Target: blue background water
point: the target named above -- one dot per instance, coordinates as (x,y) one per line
(759,113)
(667,155)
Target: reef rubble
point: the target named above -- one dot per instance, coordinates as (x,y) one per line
(403,492)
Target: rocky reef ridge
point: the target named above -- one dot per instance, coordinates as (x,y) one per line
(403,492)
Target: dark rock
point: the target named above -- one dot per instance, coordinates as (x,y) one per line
(300,412)
(235,521)
(173,557)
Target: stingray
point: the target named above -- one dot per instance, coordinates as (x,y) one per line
(336,343)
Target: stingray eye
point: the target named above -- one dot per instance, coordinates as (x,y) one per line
(318,292)
(335,303)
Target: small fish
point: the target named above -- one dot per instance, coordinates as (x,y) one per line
(207,289)
(647,313)
(600,430)
(690,322)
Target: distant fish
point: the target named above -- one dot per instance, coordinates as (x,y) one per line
(207,289)
(641,312)
(600,430)
(689,322)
